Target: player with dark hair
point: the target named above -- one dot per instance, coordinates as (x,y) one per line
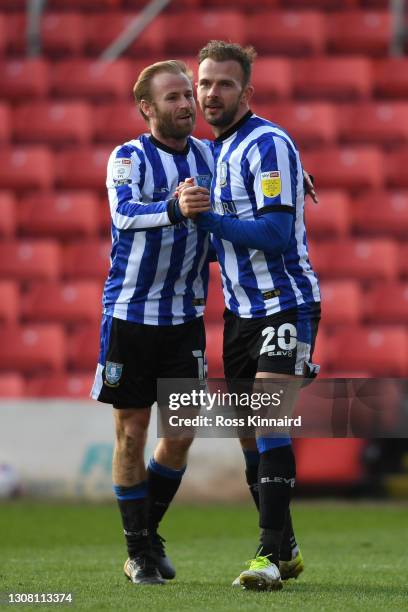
(153,303)
(271,291)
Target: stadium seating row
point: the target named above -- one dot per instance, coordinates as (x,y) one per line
(273,31)
(181,5)
(85,214)
(311,123)
(42,349)
(354,168)
(47,259)
(323,78)
(76,301)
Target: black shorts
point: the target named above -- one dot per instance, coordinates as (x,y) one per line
(133,356)
(281,343)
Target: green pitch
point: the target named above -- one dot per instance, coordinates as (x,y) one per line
(355,554)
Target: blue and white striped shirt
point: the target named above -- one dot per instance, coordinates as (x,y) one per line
(159,271)
(258,170)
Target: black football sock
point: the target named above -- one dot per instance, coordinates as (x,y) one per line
(163,483)
(276,477)
(251,473)
(132,503)
(289,547)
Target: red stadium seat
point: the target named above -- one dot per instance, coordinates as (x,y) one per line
(23,168)
(74,386)
(53,122)
(403,260)
(370,123)
(193,29)
(346,168)
(24,79)
(83,168)
(309,124)
(92,79)
(60,33)
(4,31)
(391,77)
(335,78)
(33,348)
(8,214)
(12,385)
(359,259)
(387,303)
(74,302)
(243,4)
(104,28)
(214,334)
(84,260)
(30,260)
(330,5)
(293,33)
(396,164)
(10,301)
(342,464)
(118,123)
(272,78)
(342,302)
(331,216)
(68,214)
(105,221)
(85,5)
(5,123)
(365,32)
(381,350)
(202,128)
(83,348)
(382,213)
(215,302)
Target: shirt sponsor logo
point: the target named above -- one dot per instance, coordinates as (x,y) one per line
(225,207)
(271,183)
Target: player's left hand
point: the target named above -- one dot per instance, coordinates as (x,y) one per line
(309,188)
(188,182)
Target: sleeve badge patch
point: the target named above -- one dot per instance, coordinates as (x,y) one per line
(122,168)
(271,183)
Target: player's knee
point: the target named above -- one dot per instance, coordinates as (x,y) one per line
(177,448)
(131,433)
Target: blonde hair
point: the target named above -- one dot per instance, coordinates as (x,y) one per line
(142,87)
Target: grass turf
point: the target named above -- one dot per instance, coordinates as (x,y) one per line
(355,557)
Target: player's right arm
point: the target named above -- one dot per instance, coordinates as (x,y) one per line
(125,179)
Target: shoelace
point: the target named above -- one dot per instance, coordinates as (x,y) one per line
(158,544)
(259,562)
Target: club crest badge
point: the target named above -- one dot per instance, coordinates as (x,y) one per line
(203,180)
(113,372)
(271,183)
(223,174)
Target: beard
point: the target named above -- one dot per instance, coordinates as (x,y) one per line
(168,128)
(226,118)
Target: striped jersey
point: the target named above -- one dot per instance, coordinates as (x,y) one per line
(159,271)
(258,170)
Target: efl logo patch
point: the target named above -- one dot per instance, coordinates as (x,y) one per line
(121,169)
(113,372)
(271,183)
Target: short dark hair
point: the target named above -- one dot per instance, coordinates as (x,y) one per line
(221,51)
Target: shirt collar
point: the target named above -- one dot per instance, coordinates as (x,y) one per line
(234,127)
(164,147)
